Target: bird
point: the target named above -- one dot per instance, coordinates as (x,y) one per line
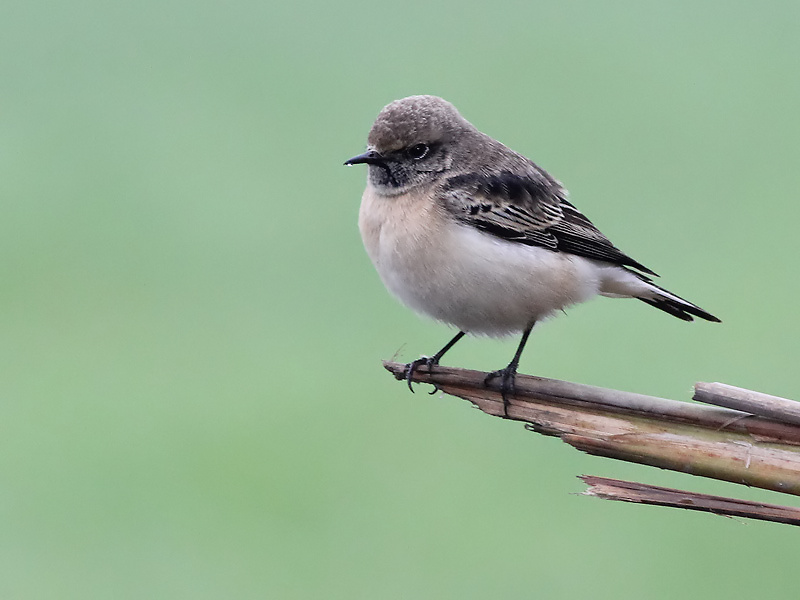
(469,232)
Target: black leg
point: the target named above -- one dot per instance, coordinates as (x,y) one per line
(430,361)
(508,374)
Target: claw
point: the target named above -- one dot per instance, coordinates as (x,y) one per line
(411,367)
(430,362)
(507,379)
(509,374)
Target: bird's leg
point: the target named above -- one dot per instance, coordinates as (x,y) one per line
(508,374)
(430,361)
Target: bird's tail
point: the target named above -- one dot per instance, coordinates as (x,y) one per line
(675,305)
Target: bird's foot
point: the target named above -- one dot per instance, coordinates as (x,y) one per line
(429,362)
(507,377)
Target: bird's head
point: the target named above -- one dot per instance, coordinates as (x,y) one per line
(414,141)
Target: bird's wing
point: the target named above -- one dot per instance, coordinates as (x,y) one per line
(528,210)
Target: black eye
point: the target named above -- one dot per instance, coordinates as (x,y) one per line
(418,151)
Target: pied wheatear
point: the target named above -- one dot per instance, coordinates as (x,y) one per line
(469,232)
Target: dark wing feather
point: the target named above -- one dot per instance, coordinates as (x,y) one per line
(529,210)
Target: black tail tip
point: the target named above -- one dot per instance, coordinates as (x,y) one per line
(685,312)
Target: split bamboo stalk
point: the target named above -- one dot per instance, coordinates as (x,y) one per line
(642,493)
(722,394)
(707,441)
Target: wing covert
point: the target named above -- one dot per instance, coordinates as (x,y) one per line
(528,210)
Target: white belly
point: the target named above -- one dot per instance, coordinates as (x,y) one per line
(461,276)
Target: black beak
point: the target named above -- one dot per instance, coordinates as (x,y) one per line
(368,158)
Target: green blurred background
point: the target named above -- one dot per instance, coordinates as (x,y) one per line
(192,403)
